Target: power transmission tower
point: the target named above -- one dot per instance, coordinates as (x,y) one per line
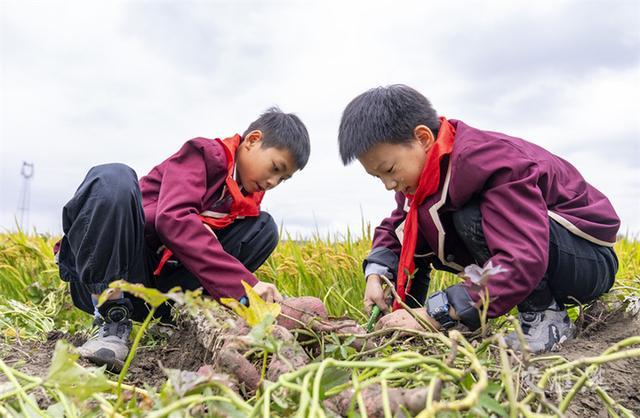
(24,202)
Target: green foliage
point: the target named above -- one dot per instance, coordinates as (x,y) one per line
(152,296)
(29,277)
(478,380)
(70,378)
(258,310)
(27,269)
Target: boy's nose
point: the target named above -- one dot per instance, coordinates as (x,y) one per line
(390,184)
(271,183)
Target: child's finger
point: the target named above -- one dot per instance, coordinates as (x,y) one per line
(388,295)
(277,297)
(368,304)
(384,307)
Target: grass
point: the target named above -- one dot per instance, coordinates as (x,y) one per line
(478,379)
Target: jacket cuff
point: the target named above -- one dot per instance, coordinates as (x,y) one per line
(375,268)
(383,257)
(465,306)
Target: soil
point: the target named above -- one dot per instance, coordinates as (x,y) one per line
(620,378)
(182,351)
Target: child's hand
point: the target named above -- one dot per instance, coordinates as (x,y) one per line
(268,292)
(374,294)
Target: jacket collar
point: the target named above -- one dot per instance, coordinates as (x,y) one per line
(435,219)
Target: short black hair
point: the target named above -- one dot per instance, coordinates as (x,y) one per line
(283,131)
(383,115)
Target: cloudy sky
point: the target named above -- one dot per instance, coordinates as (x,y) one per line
(85,83)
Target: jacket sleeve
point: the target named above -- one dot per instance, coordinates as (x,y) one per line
(387,245)
(515,224)
(199,166)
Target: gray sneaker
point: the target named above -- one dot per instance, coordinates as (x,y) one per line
(109,346)
(543,330)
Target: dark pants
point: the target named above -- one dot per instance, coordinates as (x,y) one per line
(578,270)
(104,241)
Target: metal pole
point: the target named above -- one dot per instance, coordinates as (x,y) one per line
(24,203)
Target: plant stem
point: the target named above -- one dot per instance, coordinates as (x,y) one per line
(385,399)
(507,379)
(23,395)
(25,388)
(132,353)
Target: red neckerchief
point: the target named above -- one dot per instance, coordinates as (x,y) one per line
(428,185)
(241,205)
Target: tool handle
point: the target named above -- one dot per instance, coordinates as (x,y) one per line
(375,313)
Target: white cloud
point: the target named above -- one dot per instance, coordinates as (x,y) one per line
(85,83)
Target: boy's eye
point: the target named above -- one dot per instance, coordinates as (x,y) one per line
(275,168)
(391,169)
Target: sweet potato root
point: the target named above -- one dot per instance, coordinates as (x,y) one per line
(412,399)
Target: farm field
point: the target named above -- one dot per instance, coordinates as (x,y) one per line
(175,370)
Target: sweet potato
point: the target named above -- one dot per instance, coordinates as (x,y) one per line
(235,364)
(298,312)
(311,312)
(291,355)
(358,343)
(412,399)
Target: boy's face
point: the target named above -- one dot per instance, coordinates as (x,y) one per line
(399,166)
(262,168)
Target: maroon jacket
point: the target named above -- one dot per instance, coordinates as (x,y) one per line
(520,186)
(174,193)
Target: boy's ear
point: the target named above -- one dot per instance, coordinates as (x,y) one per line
(253,138)
(425,136)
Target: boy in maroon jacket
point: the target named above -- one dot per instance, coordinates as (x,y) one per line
(193,221)
(521,223)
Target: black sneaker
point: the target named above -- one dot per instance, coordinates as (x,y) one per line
(109,346)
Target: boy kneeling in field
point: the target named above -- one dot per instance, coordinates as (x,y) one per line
(193,221)
(467,196)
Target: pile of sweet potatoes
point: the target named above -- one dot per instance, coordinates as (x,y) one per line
(233,349)
(296,313)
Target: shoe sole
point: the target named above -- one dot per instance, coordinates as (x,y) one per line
(113,365)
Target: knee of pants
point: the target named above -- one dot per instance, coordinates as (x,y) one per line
(269,231)
(81,297)
(255,242)
(118,180)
